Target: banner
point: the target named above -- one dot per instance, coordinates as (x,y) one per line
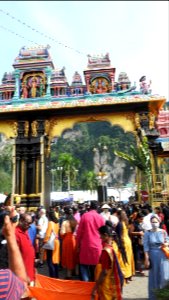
(50,288)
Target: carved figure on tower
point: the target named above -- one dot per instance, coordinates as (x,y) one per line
(26,128)
(41,88)
(144,86)
(101,86)
(24,90)
(34,126)
(137,121)
(151,121)
(33,87)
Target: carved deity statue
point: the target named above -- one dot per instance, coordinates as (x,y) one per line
(15,128)
(47,126)
(96,160)
(144,86)
(151,121)
(34,126)
(26,128)
(137,121)
(24,90)
(118,169)
(100,86)
(33,90)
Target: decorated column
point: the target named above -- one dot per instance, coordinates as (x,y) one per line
(17,85)
(48,73)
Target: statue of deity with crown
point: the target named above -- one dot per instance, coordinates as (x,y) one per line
(144,86)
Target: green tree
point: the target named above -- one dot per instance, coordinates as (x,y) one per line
(139,157)
(89,181)
(6,168)
(69,165)
(5,182)
(84,137)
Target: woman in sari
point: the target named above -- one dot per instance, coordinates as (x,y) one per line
(109,278)
(127,261)
(69,244)
(53,256)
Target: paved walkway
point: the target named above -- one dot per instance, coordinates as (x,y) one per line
(135,290)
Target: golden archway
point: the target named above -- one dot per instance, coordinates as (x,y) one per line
(57,125)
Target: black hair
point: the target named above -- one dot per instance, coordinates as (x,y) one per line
(107,229)
(93,205)
(68,210)
(52,216)
(140,215)
(158,208)
(75,209)
(120,242)
(114,210)
(72,222)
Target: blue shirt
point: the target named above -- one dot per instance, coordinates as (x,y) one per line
(32,231)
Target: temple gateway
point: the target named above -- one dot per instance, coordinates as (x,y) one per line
(37,104)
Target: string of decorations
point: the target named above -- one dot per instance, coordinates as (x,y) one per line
(37,31)
(9,30)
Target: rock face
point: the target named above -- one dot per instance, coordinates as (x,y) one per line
(114,170)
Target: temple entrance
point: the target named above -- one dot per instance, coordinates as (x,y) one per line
(32,138)
(38,104)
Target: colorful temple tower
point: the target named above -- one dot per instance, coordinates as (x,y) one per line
(77,87)
(33,68)
(37,103)
(59,84)
(99,75)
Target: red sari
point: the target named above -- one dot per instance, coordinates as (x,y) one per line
(69,246)
(111,287)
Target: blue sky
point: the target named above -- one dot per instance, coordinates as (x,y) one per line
(135,34)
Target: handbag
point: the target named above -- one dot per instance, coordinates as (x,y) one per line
(165,250)
(50,244)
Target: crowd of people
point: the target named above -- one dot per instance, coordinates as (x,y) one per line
(103,243)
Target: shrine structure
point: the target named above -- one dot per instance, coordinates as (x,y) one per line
(37,104)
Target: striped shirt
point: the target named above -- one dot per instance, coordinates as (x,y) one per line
(11,287)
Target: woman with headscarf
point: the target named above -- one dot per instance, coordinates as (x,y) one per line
(69,244)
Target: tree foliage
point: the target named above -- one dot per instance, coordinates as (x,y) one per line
(139,157)
(74,150)
(81,141)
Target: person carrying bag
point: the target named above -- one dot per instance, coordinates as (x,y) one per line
(52,245)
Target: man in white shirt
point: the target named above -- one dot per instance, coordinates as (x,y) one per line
(146,225)
(42,227)
(113,217)
(105,212)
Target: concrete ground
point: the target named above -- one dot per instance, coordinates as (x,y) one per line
(135,290)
